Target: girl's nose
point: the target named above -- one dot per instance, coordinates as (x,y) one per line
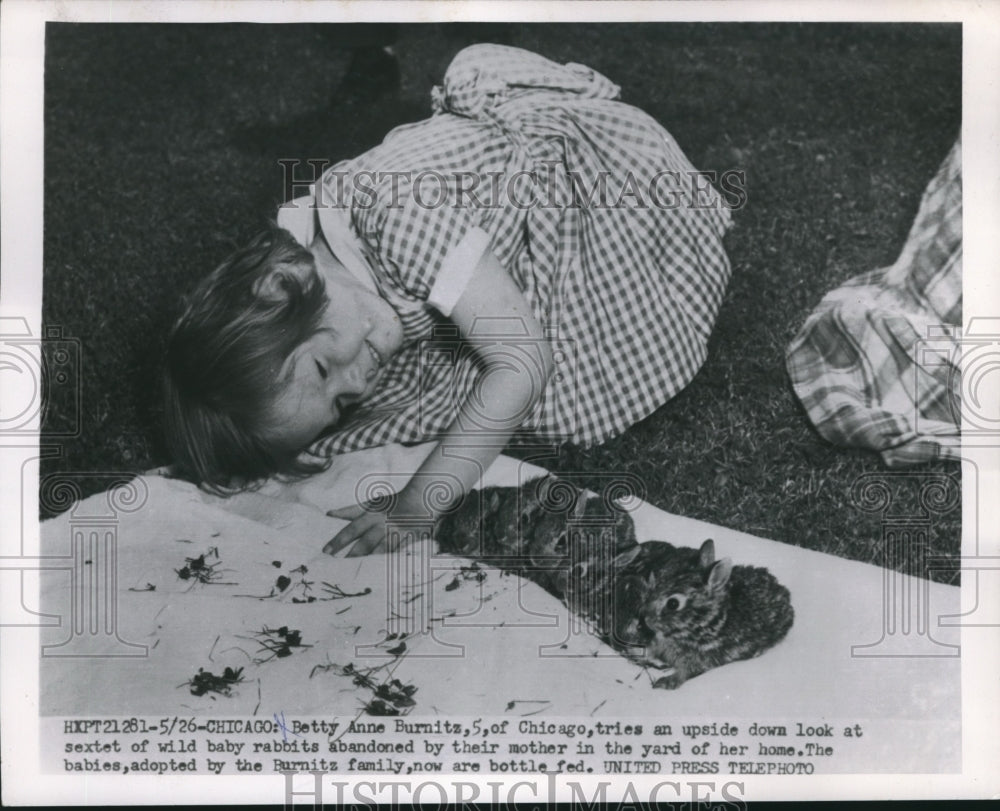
(346,392)
(352,382)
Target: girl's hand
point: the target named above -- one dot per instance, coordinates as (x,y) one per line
(367,532)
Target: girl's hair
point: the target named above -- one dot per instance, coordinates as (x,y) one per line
(224,356)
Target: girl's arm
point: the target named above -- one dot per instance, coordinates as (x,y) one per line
(513,377)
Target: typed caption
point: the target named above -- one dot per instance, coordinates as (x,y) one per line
(467,745)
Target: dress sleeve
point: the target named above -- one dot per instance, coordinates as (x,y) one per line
(427,243)
(298,217)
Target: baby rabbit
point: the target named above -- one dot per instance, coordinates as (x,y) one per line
(672,608)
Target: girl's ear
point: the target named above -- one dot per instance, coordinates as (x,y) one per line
(275,284)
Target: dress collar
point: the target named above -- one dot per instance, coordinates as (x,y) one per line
(301,217)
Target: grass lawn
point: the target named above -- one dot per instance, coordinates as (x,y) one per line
(161,155)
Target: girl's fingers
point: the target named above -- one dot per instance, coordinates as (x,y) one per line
(336,543)
(371,540)
(347,535)
(365,533)
(354,540)
(348,513)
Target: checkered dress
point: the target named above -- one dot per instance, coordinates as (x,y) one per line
(627,288)
(876,365)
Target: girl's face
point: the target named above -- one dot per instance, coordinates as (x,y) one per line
(341,364)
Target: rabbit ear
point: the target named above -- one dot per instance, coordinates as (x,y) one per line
(719,575)
(707,554)
(625,558)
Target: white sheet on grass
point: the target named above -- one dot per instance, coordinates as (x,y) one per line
(508,640)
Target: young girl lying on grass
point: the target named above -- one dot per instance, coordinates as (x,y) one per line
(535,262)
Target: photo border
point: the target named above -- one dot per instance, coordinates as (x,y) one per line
(22,25)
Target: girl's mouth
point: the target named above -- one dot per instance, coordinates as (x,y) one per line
(376,355)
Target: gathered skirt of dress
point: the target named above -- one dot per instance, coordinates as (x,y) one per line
(609,231)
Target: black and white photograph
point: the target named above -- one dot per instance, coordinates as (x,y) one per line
(447,402)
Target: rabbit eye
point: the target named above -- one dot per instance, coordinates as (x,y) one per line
(675,602)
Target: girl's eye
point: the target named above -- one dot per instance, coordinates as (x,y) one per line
(321,369)
(675,602)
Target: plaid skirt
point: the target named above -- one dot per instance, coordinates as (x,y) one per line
(877,364)
(611,234)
